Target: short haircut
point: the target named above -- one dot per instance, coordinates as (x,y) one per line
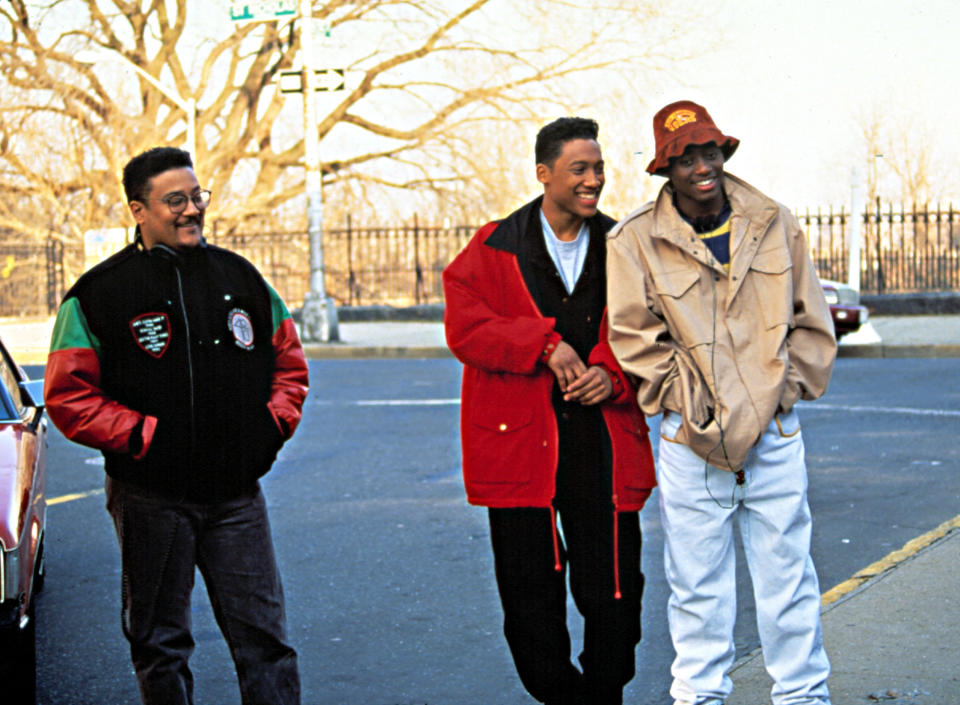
(143,167)
(552,137)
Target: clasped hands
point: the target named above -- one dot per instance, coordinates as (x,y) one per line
(587,385)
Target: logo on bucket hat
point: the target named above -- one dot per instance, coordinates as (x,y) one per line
(679,118)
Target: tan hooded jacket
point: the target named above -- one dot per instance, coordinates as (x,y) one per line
(726,351)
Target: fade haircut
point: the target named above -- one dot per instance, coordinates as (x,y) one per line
(143,167)
(552,137)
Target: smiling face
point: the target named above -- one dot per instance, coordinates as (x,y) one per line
(697,179)
(571,187)
(158,224)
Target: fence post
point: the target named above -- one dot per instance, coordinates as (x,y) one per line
(879,284)
(954,280)
(351,276)
(54,273)
(937,254)
(418,284)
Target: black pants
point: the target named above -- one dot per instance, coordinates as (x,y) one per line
(162,543)
(533,592)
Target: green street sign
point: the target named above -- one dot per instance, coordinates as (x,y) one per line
(262,10)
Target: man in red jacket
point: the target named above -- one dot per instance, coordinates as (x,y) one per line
(549,425)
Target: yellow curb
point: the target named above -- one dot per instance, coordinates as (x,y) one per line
(889,561)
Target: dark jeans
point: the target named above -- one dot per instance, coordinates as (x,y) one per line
(162,543)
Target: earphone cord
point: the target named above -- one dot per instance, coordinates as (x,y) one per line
(722,445)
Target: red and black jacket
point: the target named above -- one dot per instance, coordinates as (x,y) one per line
(183,368)
(509,433)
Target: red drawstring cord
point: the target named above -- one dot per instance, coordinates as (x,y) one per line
(617,595)
(556,544)
(616,557)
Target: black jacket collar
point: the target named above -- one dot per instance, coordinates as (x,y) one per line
(520,234)
(510,232)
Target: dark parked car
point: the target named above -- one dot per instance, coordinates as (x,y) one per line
(23,511)
(845,309)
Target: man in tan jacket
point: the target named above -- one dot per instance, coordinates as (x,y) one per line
(717,313)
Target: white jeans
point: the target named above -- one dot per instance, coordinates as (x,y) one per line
(698,504)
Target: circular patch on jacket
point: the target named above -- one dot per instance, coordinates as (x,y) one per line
(151,331)
(239,323)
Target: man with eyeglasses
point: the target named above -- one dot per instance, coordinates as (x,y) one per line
(182,365)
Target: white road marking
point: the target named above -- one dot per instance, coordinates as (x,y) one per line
(812,406)
(407,402)
(902,410)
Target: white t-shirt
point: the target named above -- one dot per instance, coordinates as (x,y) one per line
(567,256)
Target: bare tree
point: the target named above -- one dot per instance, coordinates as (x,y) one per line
(902,162)
(437,93)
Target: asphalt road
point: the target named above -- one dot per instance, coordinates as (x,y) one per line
(390,591)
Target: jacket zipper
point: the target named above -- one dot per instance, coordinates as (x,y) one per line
(186,325)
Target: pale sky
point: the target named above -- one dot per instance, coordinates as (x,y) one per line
(791,76)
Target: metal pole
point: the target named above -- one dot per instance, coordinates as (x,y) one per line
(319,312)
(856,221)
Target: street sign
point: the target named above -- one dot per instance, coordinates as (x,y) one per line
(327,80)
(262,10)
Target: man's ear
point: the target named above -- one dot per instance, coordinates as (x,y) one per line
(137,209)
(543,173)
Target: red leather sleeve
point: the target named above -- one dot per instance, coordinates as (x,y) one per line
(290,378)
(79,408)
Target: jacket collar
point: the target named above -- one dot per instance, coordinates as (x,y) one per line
(510,232)
(752,214)
(168,253)
(521,234)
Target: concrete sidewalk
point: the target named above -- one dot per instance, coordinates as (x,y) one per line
(892,336)
(892,632)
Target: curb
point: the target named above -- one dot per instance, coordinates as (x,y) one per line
(333,351)
(343,351)
(866,577)
(895,351)
(863,578)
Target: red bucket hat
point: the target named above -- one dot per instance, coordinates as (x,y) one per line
(681,124)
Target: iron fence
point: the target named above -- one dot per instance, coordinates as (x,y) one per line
(903,250)
(391,265)
(32,278)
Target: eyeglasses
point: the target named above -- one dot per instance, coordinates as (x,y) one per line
(177,202)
